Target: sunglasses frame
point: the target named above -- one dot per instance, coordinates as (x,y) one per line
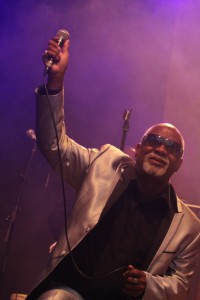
(155,140)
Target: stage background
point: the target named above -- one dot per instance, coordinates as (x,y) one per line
(139,54)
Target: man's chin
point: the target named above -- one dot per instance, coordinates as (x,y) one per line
(154,171)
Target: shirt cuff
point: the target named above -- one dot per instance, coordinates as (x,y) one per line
(42,91)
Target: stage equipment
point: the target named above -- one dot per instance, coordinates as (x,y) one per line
(13,214)
(126,117)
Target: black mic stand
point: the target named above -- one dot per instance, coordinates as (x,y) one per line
(126,117)
(12,216)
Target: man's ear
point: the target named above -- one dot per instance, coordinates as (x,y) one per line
(130,151)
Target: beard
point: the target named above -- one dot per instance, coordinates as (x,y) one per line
(153,169)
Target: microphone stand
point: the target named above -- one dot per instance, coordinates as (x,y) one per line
(126,117)
(12,216)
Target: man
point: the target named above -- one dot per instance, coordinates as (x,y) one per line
(128,236)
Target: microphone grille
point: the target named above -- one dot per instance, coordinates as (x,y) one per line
(64,34)
(31,134)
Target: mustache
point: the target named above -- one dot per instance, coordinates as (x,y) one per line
(157,157)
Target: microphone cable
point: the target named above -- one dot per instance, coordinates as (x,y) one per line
(64,199)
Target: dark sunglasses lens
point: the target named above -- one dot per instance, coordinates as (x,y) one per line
(152,140)
(171,148)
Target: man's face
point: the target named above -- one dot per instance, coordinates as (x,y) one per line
(156,158)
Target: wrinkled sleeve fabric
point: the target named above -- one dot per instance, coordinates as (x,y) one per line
(75,158)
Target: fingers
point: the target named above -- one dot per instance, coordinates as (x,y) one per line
(55,57)
(53,50)
(134,282)
(129,271)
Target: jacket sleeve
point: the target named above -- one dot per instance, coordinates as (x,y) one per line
(75,158)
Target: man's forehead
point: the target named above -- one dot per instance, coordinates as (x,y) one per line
(166,130)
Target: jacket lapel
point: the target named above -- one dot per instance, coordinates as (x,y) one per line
(169,237)
(127,174)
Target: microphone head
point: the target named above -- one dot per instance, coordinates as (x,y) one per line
(63,34)
(31,134)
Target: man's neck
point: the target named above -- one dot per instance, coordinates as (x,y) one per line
(150,187)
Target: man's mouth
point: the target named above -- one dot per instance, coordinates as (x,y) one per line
(157,161)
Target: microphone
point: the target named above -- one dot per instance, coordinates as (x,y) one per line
(63,35)
(127,114)
(31,134)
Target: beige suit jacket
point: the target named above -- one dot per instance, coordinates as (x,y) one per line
(100,176)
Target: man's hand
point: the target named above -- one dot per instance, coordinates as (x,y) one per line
(60,57)
(134,282)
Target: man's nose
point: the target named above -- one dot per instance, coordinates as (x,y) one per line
(161,149)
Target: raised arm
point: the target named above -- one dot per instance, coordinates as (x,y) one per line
(75,158)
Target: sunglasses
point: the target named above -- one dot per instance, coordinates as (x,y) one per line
(154,140)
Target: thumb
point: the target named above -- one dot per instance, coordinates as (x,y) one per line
(65,48)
